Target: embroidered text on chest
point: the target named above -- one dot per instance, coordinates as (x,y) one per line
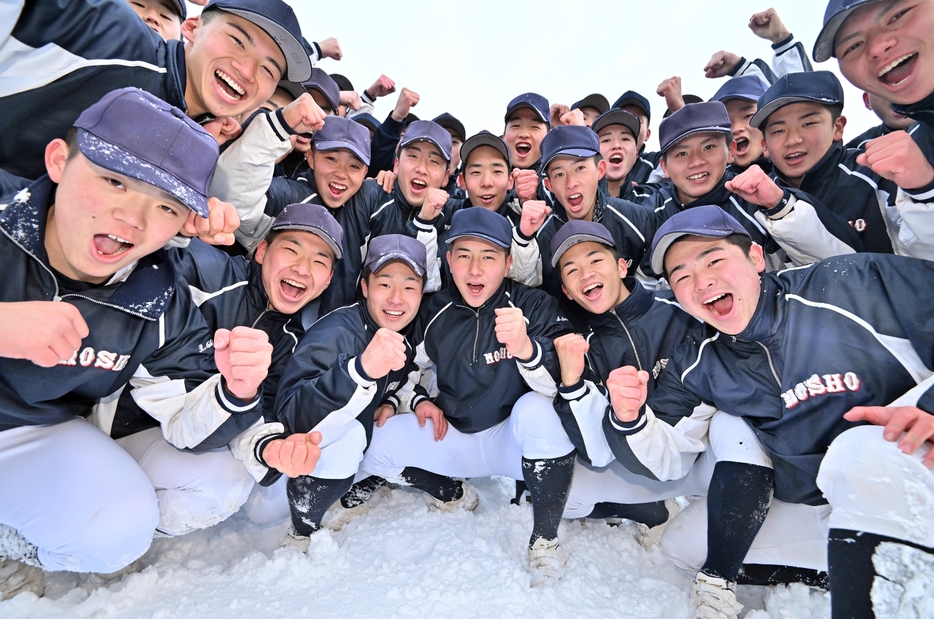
(821,385)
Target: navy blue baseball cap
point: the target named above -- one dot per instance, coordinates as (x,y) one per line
(618,117)
(180,9)
(710,221)
(340,133)
(836,13)
(485,138)
(294,89)
(631,97)
(278,20)
(389,247)
(596,101)
(367,120)
(452,124)
(428,131)
(747,87)
(815,86)
(323,83)
(569,141)
(312,218)
(532,101)
(578,231)
(171,151)
(710,117)
(482,224)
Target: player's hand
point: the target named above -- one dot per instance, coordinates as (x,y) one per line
(768,25)
(757,187)
(720,64)
(381,87)
(330,48)
(556,111)
(570,349)
(434,203)
(223,128)
(511,332)
(628,390)
(671,90)
(44,332)
(526,184)
(534,214)
(215,229)
(242,356)
(427,410)
(404,104)
(350,99)
(294,455)
(574,117)
(386,180)
(909,426)
(304,115)
(898,158)
(384,353)
(382,413)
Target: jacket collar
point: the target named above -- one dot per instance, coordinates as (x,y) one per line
(632,308)
(765,320)
(815,179)
(719,195)
(923,111)
(500,298)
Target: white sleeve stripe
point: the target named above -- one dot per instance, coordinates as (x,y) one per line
(747,215)
(700,352)
(352,369)
(628,223)
(200,296)
(574,395)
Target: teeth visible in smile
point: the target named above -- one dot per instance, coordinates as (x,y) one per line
(339,187)
(393,314)
(119,239)
(616,159)
(715,299)
(794,155)
(575,196)
(419,182)
(294,283)
(697,177)
(487,197)
(894,64)
(229,81)
(592,287)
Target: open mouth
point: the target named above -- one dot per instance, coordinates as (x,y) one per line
(742,145)
(337,189)
(575,200)
(616,159)
(899,70)
(292,289)
(475,289)
(592,291)
(487,198)
(698,177)
(720,305)
(110,245)
(794,157)
(393,313)
(229,86)
(523,148)
(418,185)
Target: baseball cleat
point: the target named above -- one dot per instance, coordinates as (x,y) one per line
(714,598)
(546,562)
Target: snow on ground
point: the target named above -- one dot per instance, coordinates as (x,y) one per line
(400,560)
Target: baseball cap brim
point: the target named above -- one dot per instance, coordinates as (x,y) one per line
(618,117)
(337,145)
(121,161)
(710,129)
(298,65)
(529,106)
(387,257)
(478,235)
(577,239)
(444,153)
(295,89)
(824,44)
(476,141)
(576,153)
(763,113)
(662,245)
(319,232)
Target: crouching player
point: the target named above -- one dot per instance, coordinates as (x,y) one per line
(814,359)
(490,340)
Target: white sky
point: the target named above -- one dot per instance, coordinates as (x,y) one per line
(471,58)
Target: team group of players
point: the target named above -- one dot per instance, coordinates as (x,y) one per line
(737,325)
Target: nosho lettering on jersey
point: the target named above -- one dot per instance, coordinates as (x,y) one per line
(497,356)
(821,385)
(102,359)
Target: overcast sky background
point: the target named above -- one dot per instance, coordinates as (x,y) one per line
(471,58)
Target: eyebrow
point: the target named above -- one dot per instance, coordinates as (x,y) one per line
(588,255)
(249,38)
(802,117)
(496,164)
(697,258)
(885,9)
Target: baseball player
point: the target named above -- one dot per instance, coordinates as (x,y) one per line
(91,306)
(841,428)
(618,131)
(634,103)
(163,16)
(490,340)
(740,96)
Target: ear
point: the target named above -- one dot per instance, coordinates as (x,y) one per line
(566,293)
(623,268)
(866,101)
(310,158)
(838,128)
(548,185)
(731,147)
(190,28)
(661,162)
(448,257)
(461,183)
(56,156)
(757,256)
(765,149)
(261,251)
(363,287)
(601,169)
(508,265)
(395,167)
(512,182)
(648,134)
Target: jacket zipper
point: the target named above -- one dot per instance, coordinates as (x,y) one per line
(628,335)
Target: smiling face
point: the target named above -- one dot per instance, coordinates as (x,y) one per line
(885,49)
(644,131)
(160,15)
(339,174)
(696,164)
(619,150)
(591,276)
(716,281)
(393,295)
(524,134)
(574,182)
(297,267)
(102,221)
(232,65)
(486,178)
(798,135)
(420,166)
(748,140)
(478,268)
